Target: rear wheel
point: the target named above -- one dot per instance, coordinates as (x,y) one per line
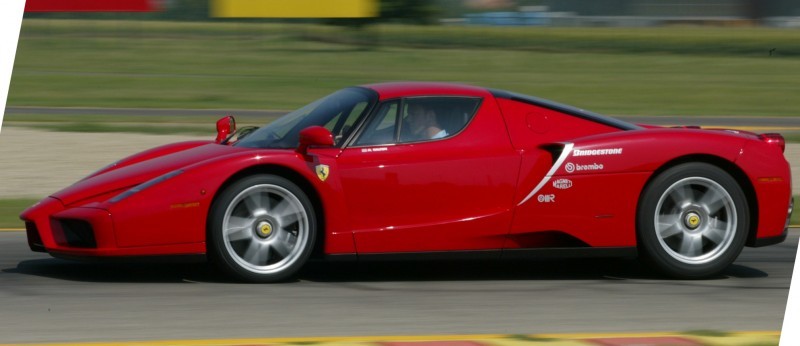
(692,220)
(261,229)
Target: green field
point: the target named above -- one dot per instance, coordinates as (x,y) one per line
(157,125)
(83,126)
(796,214)
(662,71)
(10,210)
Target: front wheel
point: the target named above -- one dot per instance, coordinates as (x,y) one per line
(692,221)
(261,229)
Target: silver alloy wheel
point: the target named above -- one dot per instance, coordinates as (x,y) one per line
(265,229)
(695,220)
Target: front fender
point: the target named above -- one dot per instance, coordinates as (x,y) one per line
(177,209)
(147,155)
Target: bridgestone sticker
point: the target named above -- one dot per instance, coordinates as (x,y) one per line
(597,152)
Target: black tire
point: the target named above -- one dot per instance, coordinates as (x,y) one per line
(261,228)
(692,221)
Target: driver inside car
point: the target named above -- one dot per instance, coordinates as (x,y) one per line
(422,123)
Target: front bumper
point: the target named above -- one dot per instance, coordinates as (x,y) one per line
(52,227)
(86,231)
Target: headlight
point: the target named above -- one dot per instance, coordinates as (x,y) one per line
(145,185)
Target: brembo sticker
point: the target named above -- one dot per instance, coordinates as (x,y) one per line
(597,152)
(562,184)
(571,167)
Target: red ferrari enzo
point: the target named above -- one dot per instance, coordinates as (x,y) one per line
(430,169)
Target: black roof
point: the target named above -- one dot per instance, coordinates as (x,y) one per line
(574,111)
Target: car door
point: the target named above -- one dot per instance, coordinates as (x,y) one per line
(453,191)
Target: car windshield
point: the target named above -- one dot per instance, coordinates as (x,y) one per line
(338,112)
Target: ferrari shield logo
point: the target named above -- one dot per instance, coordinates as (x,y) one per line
(322,172)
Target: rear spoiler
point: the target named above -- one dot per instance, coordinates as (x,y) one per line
(771,138)
(774,139)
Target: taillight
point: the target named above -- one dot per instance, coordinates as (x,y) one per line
(774,139)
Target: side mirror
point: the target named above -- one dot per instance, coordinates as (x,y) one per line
(316,136)
(225,126)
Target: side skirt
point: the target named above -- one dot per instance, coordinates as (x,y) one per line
(566,253)
(188,258)
(508,254)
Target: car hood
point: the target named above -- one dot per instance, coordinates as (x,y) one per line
(120,179)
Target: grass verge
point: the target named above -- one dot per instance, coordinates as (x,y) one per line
(130,128)
(172,120)
(687,40)
(674,40)
(792,137)
(10,210)
(707,332)
(269,66)
(112,119)
(166,125)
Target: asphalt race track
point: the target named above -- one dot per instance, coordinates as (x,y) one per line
(46,299)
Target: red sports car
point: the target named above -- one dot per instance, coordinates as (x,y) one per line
(430,169)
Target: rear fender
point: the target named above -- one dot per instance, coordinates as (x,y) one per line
(647,150)
(770,175)
(593,190)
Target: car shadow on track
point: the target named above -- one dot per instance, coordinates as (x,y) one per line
(116,272)
(576,269)
(334,272)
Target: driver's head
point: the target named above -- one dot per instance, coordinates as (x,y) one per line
(420,116)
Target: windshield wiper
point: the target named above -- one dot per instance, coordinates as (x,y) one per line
(245,131)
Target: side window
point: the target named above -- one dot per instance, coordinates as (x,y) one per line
(332,123)
(429,118)
(342,124)
(381,127)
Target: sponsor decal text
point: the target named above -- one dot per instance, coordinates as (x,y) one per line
(571,167)
(562,184)
(551,198)
(597,152)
